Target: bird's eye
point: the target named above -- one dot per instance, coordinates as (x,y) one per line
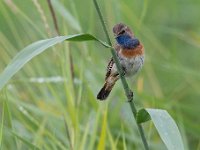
(122,32)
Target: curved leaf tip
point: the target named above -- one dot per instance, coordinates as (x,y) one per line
(166,128)
(34,49)
(142,116)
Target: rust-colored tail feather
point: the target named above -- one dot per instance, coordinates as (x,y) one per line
(105,91)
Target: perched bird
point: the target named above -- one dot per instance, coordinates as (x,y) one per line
(131,57)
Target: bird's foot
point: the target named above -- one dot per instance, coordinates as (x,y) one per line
(123,71)
(130,96)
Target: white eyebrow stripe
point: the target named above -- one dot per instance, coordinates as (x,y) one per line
(125,27)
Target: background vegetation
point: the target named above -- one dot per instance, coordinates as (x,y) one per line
(51,103)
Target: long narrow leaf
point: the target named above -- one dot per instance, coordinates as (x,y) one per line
(32,146)
(35,49)
(2,125)
(166,128)
(102,140)
(66,15)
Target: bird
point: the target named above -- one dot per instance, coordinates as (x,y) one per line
(130,53)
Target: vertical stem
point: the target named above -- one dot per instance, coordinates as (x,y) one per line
(53,16)
(58,33)
(68,133)
(43,17)
(123,80)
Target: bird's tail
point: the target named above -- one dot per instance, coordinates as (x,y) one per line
(105,90)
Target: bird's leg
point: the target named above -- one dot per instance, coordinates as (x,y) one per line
(123,71)
(130,95)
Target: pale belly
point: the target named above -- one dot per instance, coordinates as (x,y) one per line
(132,65)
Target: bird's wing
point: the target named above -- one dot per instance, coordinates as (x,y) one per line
(109,68)
(111,62)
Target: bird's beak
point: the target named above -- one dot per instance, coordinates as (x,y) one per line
(115,35)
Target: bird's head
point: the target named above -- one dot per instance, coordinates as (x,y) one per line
(121,29)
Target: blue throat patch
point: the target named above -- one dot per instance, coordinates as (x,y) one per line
(127,42)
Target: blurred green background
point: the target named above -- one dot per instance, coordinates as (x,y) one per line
(51,103)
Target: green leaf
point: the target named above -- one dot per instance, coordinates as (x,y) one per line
(102,139)
(32,146)
(142,116)
(2,125)
(166,128)
(35,49)
(71,20)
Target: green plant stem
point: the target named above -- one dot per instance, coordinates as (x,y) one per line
(53,16)
(123,80)
(58,33)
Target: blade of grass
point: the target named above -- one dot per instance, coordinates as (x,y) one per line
(35,49)
(101,144)
(124,139)
(38,137)
(84,138)
(112,142)
(68,134)
(67,15)
(27,18)
(144,12)
(94,127)
(9,116)
(33,125)
(10,24)
(32,146)
(2,125)
(43,17)
(53,16)
(165,126)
